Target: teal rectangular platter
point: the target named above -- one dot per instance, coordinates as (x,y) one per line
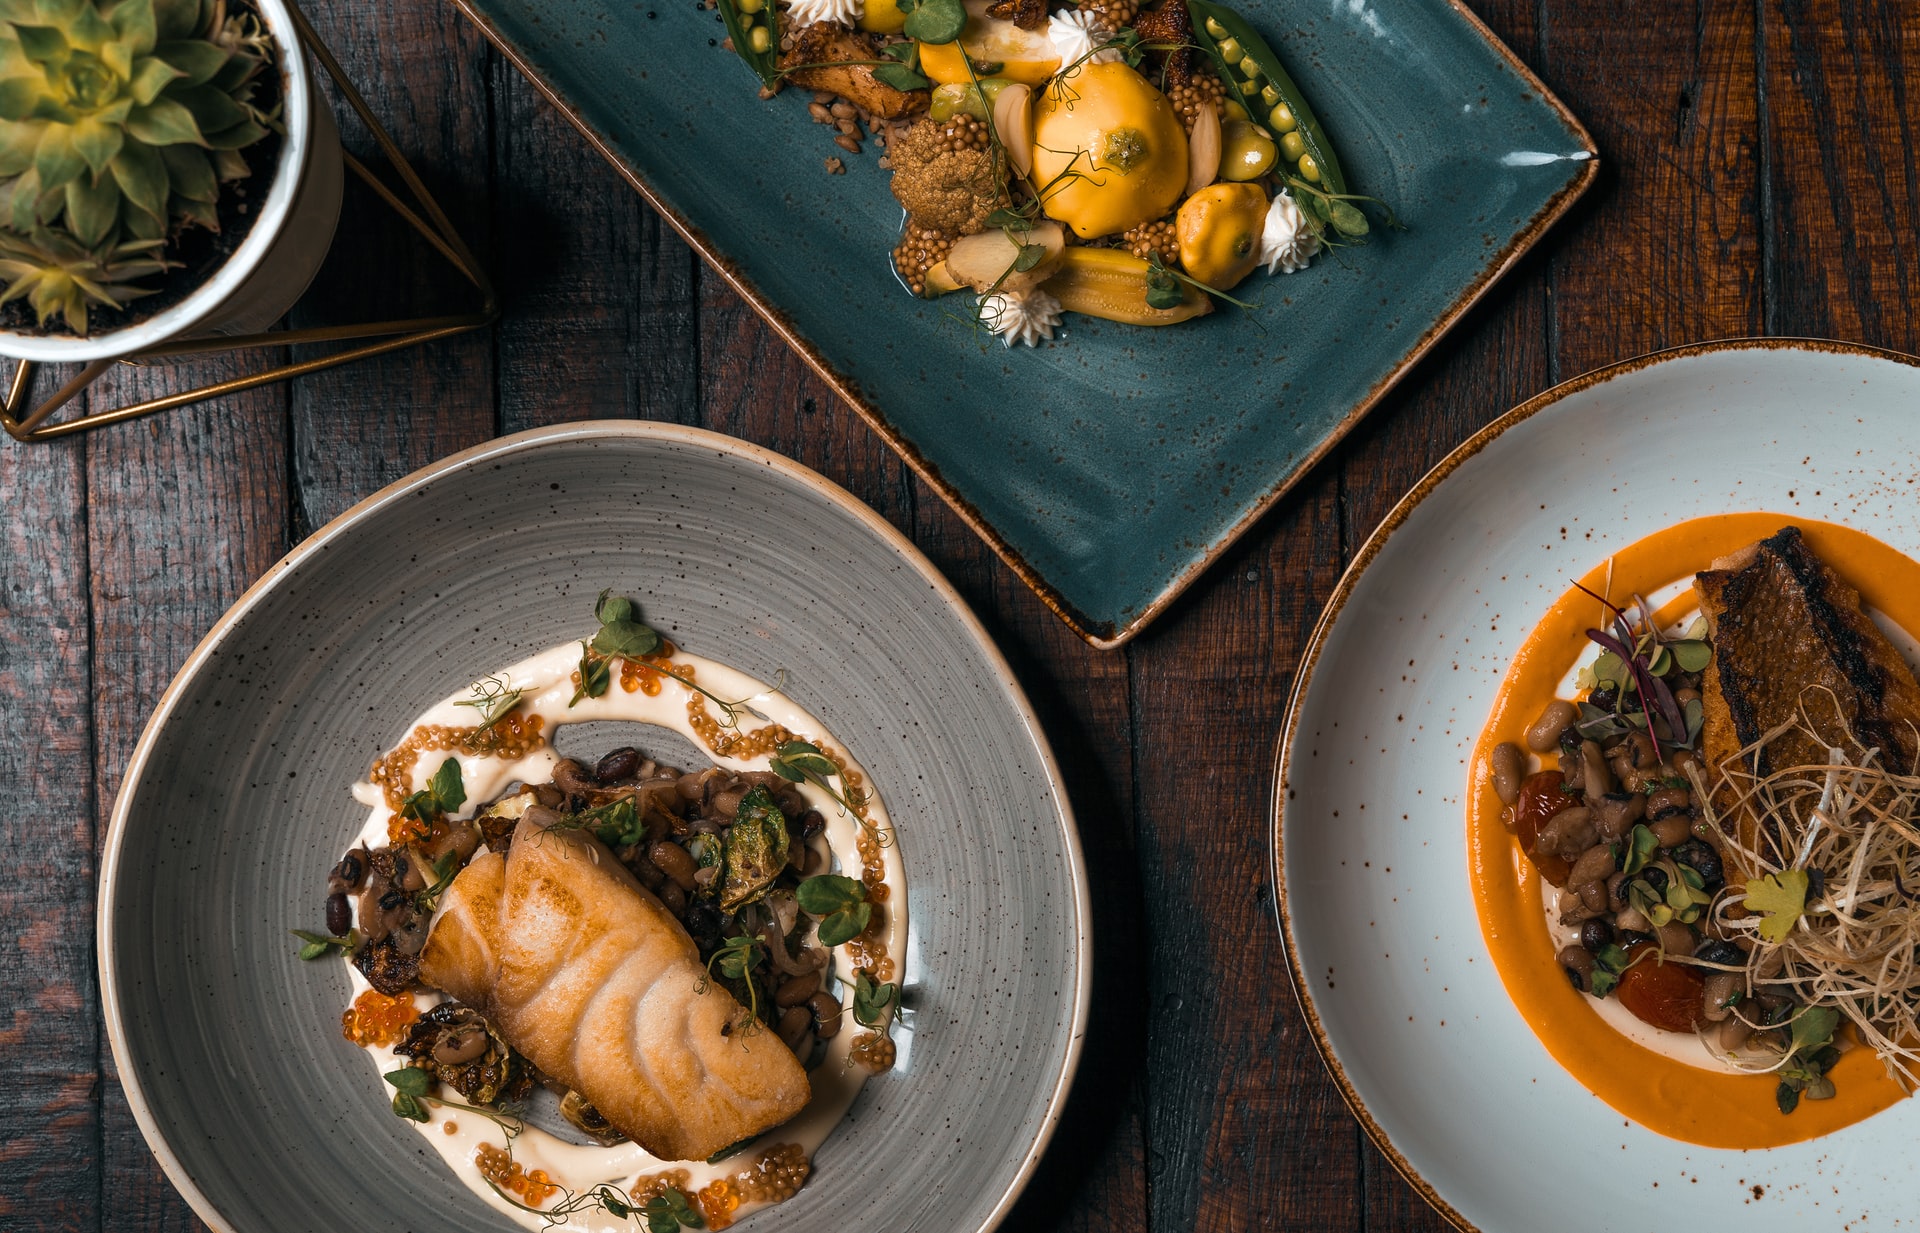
(1110,467)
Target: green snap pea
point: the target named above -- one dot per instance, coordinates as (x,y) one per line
(1250,67)
(753,26)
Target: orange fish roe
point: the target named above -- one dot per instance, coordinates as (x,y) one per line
(773,1178)
(873,1051)
(644,674)
(514,736)
(500,1168)
(376,1019)
(652,1185)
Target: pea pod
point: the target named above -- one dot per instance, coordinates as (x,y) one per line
(1252,72)
(746,19)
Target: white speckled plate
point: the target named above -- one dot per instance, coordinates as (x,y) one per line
(236,803)
(1370,830)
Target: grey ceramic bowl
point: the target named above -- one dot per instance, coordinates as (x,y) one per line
(236,803)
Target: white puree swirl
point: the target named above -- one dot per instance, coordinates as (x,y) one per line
(820,12)
(547,681)
(1029,316)
(1287,244)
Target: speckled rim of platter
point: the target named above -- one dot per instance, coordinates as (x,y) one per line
(400,490)
(1343,590)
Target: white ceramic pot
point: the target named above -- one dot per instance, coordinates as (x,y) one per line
(281,253)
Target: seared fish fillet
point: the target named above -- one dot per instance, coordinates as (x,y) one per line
(584,972)
(1785,625)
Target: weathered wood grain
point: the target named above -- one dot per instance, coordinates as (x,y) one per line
(50,1042)
(602,319)
(1666,249)
(1843,193)
(752,385)
(186,509)
(425,69)
(1244,1129)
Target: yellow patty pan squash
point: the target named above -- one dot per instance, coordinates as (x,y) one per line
(882,17)
(1122,140)
(998,49)
(1218,229)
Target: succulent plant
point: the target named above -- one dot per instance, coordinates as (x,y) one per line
(57,274)
(122,117)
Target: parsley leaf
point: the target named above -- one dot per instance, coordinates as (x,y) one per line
(1780,898)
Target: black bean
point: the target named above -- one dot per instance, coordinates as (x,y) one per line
(1574,977)
(1725,954)
(349,872)
(703,922)
(391,900)
(1604,697)
(620,764)
(339,915)
(1596,934)
(811,823)
(1703,860)
(1630,938)
(1569,745)
(1656,878)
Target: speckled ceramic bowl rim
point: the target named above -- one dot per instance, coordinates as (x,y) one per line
(1097,633)
(610,431)
(1323,628)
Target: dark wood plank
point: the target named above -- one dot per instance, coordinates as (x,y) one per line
(600,293)
(1843,192)
(186,509)
(1666,248)
(426,71)
(50,1043)
(752,385)
(1245,1130)
(1094,1175)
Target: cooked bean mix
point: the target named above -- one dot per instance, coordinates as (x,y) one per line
(1612,819)
(726,852)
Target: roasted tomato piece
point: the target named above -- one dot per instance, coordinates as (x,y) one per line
(1666,995)
(1541,798)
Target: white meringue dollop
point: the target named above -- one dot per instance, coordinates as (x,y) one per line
(1074,36)
(1287,242)
(1028,317)
(821,12)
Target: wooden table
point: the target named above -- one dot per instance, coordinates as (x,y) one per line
(1759,179)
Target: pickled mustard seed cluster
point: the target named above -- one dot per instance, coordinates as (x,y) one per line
(1130,164)
(780,967)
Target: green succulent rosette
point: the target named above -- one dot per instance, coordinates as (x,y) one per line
(124,114)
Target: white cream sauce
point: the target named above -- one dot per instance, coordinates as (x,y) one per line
(546,680)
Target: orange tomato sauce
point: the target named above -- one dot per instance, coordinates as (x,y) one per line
(1681,1101)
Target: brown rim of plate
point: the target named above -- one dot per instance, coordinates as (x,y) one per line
(1100,634)
(1395,519)
(320,541)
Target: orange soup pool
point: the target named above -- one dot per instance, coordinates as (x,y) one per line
(1670,1097)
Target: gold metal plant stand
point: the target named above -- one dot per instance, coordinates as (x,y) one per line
(373,337)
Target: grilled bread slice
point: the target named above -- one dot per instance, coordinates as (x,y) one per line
(1790,633)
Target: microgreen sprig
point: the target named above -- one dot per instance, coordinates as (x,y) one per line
(874,1004)
(493,697)
(445,870)
(737,957)
(316,945)
(410,1087)
(841,905)
(623,635)
(803,762)
(444,794)
(1163,288)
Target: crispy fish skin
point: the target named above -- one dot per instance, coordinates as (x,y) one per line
(1787,629)
(588,975)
